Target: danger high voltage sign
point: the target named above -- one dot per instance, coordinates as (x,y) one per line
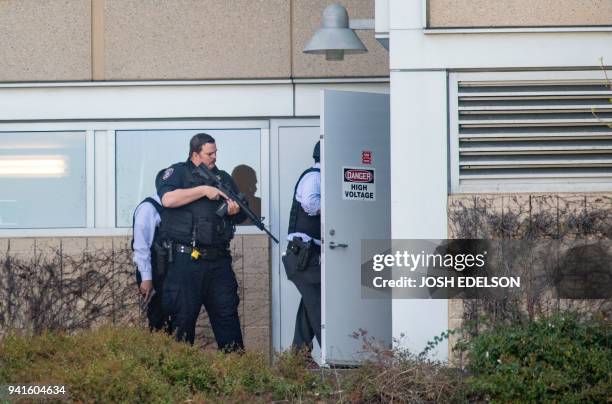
(358,184)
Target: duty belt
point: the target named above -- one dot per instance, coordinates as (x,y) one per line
(210,253)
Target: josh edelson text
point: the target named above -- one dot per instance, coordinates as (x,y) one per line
(449,271)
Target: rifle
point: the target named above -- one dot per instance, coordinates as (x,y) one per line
(238,197)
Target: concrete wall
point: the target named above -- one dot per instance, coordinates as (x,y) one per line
(518,13)
(494,50)
(191,39)
(45,40)
(419,124)
(562,207)
(101,290)
(66,40)
(418,201)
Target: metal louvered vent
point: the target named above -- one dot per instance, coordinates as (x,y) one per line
(532,134)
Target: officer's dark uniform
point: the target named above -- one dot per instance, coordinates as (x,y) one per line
(303,267)
(158,320)
(208,279)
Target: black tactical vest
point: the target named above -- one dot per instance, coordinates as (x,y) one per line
(158,253)
(197,221)
(299,220)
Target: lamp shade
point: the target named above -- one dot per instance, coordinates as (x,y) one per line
(335,38)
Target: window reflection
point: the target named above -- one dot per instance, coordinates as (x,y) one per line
(27,166)
(42,180)
(140,154)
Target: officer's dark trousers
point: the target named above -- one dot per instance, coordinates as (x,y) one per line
(158,319)
(189,284)
(308,318)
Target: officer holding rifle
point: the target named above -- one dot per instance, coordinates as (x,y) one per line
(198,223)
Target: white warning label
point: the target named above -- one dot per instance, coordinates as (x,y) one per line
(358,184)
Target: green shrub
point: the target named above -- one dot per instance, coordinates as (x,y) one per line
(133,365)
(556,359)
(559,359)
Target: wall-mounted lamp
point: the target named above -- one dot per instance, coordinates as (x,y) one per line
(335,37)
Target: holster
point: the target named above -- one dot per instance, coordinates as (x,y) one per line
(299,262)
(161,261)
(168,245)
(302,252)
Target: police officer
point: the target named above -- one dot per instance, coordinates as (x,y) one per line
(198,239)
(302,259)
(150,276)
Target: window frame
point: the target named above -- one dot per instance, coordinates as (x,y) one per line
(100,163)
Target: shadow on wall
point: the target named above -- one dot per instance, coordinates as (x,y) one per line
(246,180)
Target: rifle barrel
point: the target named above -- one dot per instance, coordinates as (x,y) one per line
(205,172)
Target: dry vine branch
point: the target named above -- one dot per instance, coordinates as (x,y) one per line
(56,291)
(531,229)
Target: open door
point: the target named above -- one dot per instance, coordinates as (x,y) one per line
(356,205)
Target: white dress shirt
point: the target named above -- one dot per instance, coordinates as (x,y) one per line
(308,194)
(146,220)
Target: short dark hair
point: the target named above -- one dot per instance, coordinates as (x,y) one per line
(197,141)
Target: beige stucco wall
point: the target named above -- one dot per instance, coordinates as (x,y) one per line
(195,39)
(82,40)
(45,40)
(216,39)
(518,13)
(114,299)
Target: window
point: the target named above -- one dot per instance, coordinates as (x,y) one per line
(530,131)
(140,154)
(43,180)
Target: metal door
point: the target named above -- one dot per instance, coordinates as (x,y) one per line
(356,205)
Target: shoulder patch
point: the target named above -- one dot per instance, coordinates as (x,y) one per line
(167,173)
